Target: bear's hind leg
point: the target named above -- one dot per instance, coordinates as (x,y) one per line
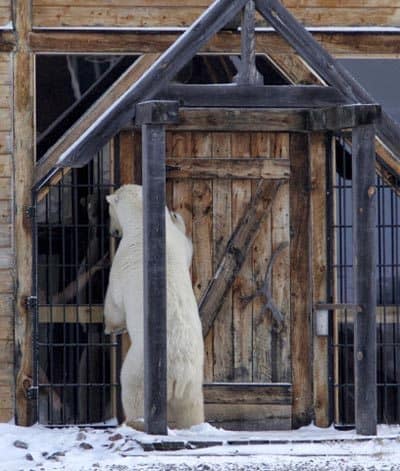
(189,409)
(132,392)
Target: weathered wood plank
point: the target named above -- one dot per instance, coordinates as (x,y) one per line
(6,322)
(49,161)
(234,168)
(143,14)
(236,250)
(253,96)
(318,154)
(364,263)
(5,142)
(243,284)
(249,417)
(247,393)
(201,194)
(262,324)
(347,44)
(222,228)
(300,282)
(23,167)
(146,87)
(280,289)
(127,157)
(234,119)
(5,172)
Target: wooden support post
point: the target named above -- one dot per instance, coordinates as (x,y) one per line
(153,116)
(364,262)
(248,72)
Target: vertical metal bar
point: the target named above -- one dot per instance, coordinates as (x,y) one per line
(364,249)
(154,279)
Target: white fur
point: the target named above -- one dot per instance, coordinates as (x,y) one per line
(124,306)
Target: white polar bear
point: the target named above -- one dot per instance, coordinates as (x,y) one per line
(124,306)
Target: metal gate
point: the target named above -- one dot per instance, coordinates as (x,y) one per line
(76,365)
(388,291)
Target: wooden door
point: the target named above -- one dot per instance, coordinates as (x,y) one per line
(213,177)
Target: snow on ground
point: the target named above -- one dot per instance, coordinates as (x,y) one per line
(117,449)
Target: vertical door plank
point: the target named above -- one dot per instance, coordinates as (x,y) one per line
(300,296)
(202,238)
(222,230)
(126,157)
(319,269)
(180,145)
(242,312)
(280,290)
(262,323)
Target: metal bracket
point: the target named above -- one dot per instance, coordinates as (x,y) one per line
(30,212)
(31,303)
(322,322)
(32,393)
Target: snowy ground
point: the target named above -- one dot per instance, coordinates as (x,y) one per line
(117,449)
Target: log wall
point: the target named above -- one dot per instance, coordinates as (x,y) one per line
(6,240)
(180,13)
(5,13)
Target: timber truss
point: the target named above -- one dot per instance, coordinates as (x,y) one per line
(145,94)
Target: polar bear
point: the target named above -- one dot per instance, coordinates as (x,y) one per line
(124,307)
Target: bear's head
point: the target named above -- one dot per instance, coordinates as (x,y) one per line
(125,206)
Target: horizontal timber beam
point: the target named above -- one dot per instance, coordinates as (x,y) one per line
(253,96)
(340,44)
(228,168)
(247,393)
(276,119)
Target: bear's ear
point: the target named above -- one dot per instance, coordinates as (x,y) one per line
(112,199)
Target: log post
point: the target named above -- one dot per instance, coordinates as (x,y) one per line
(153,116)
(248,72)
(364,262)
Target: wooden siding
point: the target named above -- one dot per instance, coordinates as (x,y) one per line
(177,13)
(5,15)
(6,242)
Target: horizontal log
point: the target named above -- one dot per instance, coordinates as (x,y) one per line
(252,96)
(276,119)
(228,168)
(234,119)
(6,282)
(342,117)
(249,417)
(247,393)
(349,44)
